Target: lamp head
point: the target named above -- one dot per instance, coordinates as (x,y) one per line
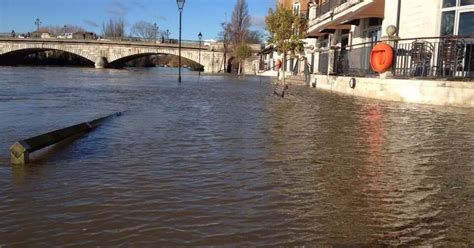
(180,4)
(200,35)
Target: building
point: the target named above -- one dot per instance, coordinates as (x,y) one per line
(300,7)
(432,42)
(294,65)
(84,36)
(347,30)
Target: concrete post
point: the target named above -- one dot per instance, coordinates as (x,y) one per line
(20,151)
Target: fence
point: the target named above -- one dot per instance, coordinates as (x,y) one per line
(432,57)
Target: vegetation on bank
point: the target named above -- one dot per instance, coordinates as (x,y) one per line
(286,31)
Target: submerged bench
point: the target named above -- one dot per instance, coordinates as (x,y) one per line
(20,151)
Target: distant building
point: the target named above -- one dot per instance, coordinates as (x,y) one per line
(84,36)
(45,36)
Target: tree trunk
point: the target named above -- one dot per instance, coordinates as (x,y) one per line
(283,68)
(240,66)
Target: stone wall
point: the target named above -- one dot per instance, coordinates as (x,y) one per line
(435,92)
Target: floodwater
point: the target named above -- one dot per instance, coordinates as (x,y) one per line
(217,160)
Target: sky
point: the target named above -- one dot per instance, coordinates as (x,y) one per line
(203,16)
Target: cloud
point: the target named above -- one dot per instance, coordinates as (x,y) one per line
(160,18)
(116,8)
(257,21)
(90,23)
(138,3)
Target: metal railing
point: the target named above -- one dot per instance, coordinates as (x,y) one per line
(431,57)
(114,39)
(445,57)
(328,6)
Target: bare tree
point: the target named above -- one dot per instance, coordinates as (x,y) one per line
(145,30)
(255,37)
(114,28)
(240,23)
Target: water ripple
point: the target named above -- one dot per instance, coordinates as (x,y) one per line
(220,161)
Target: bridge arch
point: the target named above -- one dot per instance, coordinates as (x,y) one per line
(15,53)
(122,60)
(34,49)
(137,53)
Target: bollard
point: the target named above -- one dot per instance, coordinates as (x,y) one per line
(20,151)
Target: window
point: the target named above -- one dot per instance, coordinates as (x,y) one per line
(447,23)
(457,18)
(467,2)
(296,9)
(372,29)
(324,41)
(466,23)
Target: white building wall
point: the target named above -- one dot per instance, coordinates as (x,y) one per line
(418,18)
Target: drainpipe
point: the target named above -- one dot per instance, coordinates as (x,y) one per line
(398,16)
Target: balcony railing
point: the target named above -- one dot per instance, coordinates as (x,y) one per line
(435,57)
(328,6)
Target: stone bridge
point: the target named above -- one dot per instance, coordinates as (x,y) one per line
(110,53)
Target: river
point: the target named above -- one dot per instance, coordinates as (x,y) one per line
(219,160)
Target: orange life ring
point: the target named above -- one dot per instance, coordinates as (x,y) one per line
(278,64)
(381,57)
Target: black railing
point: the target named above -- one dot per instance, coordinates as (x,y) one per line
(435,57)
(445,57)
(328,6)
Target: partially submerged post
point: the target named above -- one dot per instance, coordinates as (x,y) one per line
(20,151)
(280,91)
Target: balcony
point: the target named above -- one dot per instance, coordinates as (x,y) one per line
(333,14)
(328,6)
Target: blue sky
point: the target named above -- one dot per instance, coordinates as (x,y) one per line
(198,16)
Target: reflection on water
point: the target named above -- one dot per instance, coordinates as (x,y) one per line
(220,161)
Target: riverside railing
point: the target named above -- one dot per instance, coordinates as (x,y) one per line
(444,57)
(430,57)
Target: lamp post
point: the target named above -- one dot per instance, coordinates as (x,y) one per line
(155,30)
(200,38)
(38,23)
(180,8)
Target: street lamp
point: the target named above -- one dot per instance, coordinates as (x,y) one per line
(65,29)
(200,38)
(155,30)
(180,8)
(37,23)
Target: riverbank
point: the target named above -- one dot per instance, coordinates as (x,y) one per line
(432,92)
